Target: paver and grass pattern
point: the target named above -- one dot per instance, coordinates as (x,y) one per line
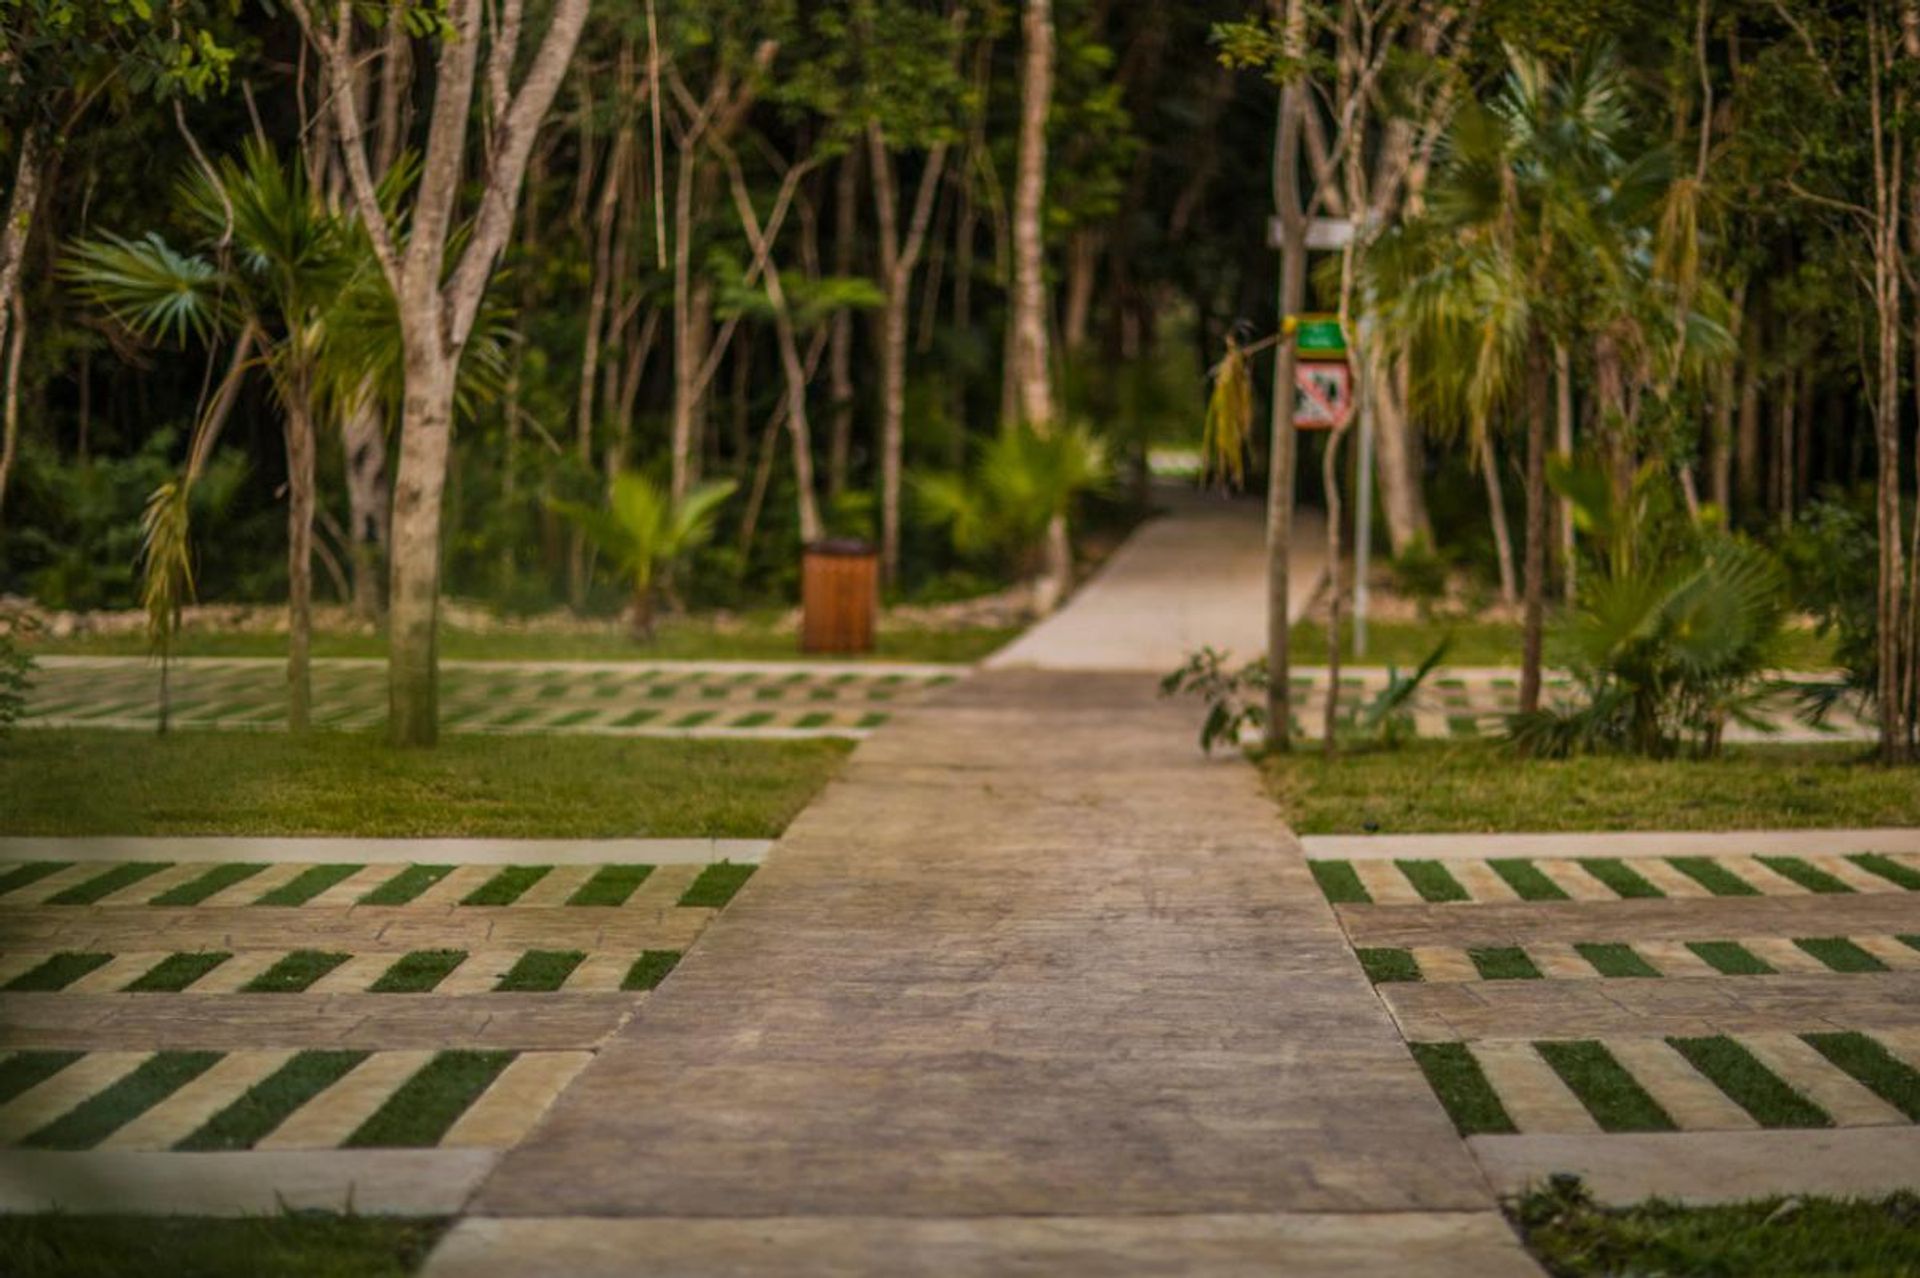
(1463,1089)
(108,1110)
(1730,958)
(295,972)
(611,885)
(1840,954)
(1528,881)
(650,969)
(302,1245)
(539,971)
(1751,1085)
(421,1110)
(1389,966)
(1767,1238)
(1614,959)
(20,1071)
(268,1103)
(1871,1064)
(1889,869)
(1471,786)
(1611,1094)
(71,782)
(716,885)
(176,972)
(1713,876)
(418,972)
(57,972)
(217,879)
(109,881)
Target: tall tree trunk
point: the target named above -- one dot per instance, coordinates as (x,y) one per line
(899,256)
(1536,562)
(1330,480)
(1291,212)
(21,204)
(1563,443)
(10,430)
(1497,513)
(1402,500)
(1083,260)
(1030,374)
(846,215)
(300,501)
(1749,460)
(414,572)
(363,440)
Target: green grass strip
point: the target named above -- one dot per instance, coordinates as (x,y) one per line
(107,1111)
(1840,954)
(1753,1086)
(418,1114)
(266,1104)
(1873,863)
(1614,960)
(418,972)
(611,885)
(1612,1095)
(1805,875)
(1464,1091)
(1340,882)
(1528,880)
(1878,1070)
(1504,963)
(20,1071)
(219,878)
(1730,958)
(1909,939)
(177,971)
(650,969)
(32,872)
(406,885)
(1624,880)
(540,970)
(309,884)
(122,875)
(716,885)
(295,972)
(1713,876)
(507,886)
(1432,881)
(1386,966)
(58,972)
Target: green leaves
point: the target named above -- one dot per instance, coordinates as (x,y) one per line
(643,529)
(157,291)
(1022,482)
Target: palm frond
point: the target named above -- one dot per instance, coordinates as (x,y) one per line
(157,291)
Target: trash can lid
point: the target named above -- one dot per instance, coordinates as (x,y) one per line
(846,547)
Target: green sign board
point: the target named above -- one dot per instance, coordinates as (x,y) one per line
(1319,337)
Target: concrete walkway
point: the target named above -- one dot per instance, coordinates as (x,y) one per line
(1033,988)
(1195,576)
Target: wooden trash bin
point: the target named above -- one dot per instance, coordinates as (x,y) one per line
(839,596)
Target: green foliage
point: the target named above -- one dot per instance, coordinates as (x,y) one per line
(1420,573)
(1832,559)
(1667,648)
(16,670)
(1236,700)
(644,531)
(1229,421)
(1023,481)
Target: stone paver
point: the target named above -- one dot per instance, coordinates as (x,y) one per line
(1821,1081)
(508,1109)
(1532,1092)
(1715,843)
(1533,922)
(1374,1245)
(998,968)
(1688,1096)
(1667,1005)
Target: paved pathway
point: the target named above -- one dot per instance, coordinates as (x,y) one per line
(1032,988)
(1197,576)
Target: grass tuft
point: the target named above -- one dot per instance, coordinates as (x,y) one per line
(1387,966)
(1528,880)
(650,969)
(1433,881)
(1340,882)
(1463,1089)
(716,885)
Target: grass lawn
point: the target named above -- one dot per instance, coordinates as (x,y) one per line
(102,782)
(1469,786)
(1765,1239)
(1485,643)
(303,1246)
(681,639)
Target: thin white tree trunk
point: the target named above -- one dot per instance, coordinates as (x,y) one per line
(1497,514)
(1291,212)
(300,503)
(363,441)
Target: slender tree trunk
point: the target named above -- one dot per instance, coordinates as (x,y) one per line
(1291,212)
(1083,260)
(899,256)
(21,203)
(10,432)
(1030,373)
(1536,561)
(300,502)
(1749,461)
(846,214)
(414,572)
(363,439)
(1402,501)
(1497,513)
(1330,479)
(1563,443)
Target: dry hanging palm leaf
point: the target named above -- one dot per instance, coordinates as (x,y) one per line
(1229,424)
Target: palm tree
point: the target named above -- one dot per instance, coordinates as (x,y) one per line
(1539,231)
(645,530)
(273,265)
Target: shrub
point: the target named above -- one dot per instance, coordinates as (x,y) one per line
(16,668)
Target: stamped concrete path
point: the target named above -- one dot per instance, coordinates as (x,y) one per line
(1032,989)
